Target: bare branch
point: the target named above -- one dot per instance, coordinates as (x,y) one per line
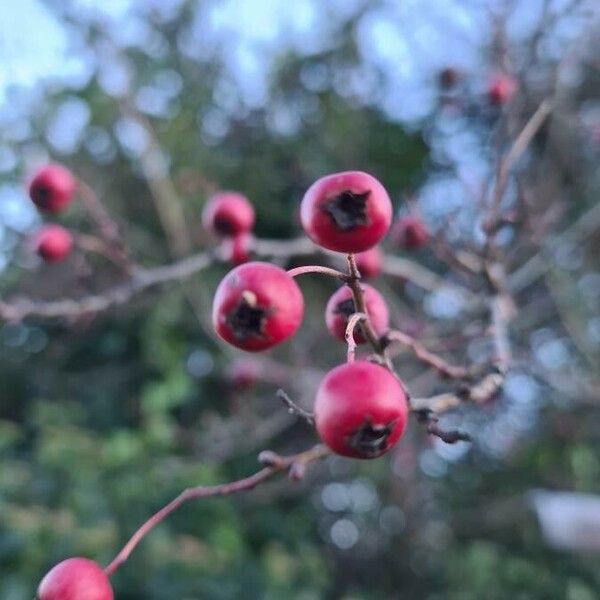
(317,269)
(450,436)
(359,304)
(353,321)
(293,408)
(294,464)
(141,280)
(397,266)
(479,393)
(429,358)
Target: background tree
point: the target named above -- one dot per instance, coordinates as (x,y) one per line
(106,415)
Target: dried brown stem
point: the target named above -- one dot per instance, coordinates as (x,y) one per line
(404,268)
(359,302)
(107,226)
(317,269)
(91,243)
(425,356)
(450,436)
(479,393)
(141,280)
(519,146)
(294,464)
(353,321)
(293,408)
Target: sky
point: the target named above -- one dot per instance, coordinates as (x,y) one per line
(34,46)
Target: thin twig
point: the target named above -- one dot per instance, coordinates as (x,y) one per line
(500,318)
(141,280)
(519,146)
(479,393)
(107,226)
(317,269)
(353,321)
(425,356)
(422,277)
(295,465)
(450,436)
(359,302)
(294,409)
(91,243)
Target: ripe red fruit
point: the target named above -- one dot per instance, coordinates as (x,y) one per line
(228,214)
(52,188)
(361,410)
(449,77)
(238,249)
(501,89)
(75,579)
(409,232)
(346,212)
(243,373)
(53,243)
(257,306)
(370,262)
(341,307)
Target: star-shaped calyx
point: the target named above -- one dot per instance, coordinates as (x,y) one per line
(371,440)
(42,196)
(345,308)
(348,209)
(248,319)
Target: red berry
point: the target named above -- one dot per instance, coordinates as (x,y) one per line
(501,89)
(228,214)
(346,212)
(53,243)
(361,410)
(75,579)
(243,373)
(257,306)
(341,307)
(449,77)
(52,188)
(370,262)
(238,249)
(409,232)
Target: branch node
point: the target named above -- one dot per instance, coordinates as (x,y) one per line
(294,409)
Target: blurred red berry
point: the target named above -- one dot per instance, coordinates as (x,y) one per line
(238,249)
(75,579)
(257,306)
(449,77)
(346,212)
(410,232)
(341,307)
(501,89)
(361,410)
(52,188)
(53,243)
(228,214)
(243,373)
(370,262)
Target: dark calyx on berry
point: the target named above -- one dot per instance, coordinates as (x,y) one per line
(248,319)
(371,440)
(348,210)
(223,226)
(42,196)
(346,308)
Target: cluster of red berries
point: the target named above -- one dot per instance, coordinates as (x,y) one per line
(501,86)
(361,408)
(51,189)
